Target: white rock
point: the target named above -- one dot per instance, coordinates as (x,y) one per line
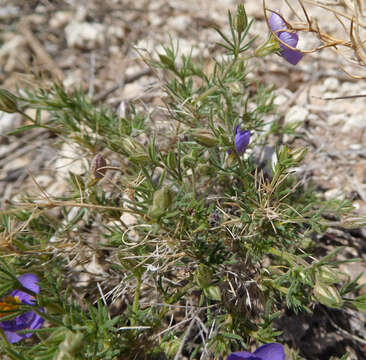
(254,10)
(334,194)
(85,35)
(280,100)
(179,23)
(70,160)
(296,114)
(115,33)
(354,122)
(129,219)
(335,119)
(356,147)
(43,180)
(12,45)
(60,19)
(331,84)
(8,10)
(9,122)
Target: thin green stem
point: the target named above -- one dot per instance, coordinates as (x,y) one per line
(194,183)
(135,306)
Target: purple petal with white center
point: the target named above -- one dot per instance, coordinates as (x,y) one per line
(273,351)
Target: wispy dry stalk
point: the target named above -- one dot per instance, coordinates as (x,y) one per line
(350,14)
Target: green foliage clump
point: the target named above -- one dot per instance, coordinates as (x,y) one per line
(220,244)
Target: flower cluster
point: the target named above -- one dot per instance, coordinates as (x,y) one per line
(273,351)
(26,321)
(279,27)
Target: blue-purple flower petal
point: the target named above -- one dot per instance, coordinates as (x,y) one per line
(29,281)
(12,337)
(273,351)
(29,320)
(290,39)
(242,355)
(293,57)
(278,26)
(242,139)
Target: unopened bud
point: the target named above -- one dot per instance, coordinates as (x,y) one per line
(8,101)
(299,154)
(327,295)
(122,111)
(167,61)
(204,137)
(162,200)
(241,19)
(98,167)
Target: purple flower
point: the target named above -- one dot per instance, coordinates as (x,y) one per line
(242,139)
(278,26)
(273,351)
(25,321)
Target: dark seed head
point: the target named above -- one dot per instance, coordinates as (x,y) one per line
(97,167)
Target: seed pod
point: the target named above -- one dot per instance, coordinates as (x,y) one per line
(204,137)
(8,101)
(203,276)
(171,160)
(162,200)
(134,150)
(327,275)
(97,167)
(327,295)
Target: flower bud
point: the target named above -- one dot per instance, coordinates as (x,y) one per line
(327,295)
(8,101)
(122,110)
(204,137)
(97,167)
(167,61)
(162,200)
(241,19)
(299,154)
